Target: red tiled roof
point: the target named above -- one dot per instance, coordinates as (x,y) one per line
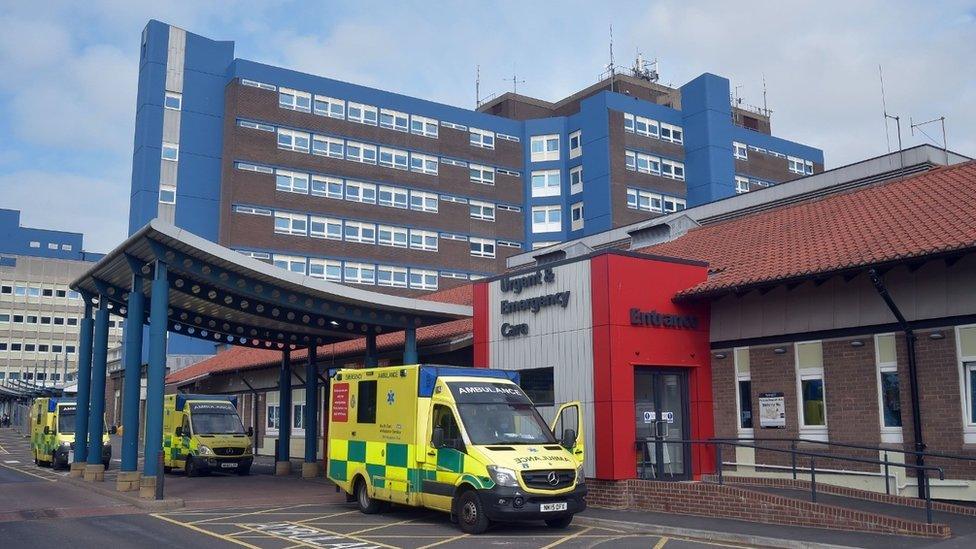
(927,214)
(244,358)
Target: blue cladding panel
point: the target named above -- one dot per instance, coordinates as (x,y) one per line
(707,122)
(594,122)
(750,137)
(16,240)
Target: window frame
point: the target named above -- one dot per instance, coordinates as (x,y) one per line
(292,178)
(290,260)
(481,138)
(476,173)
(813,432)
(295,103)
(425,126)
(294,138)
(164,188)
(889,434)
(423,205)
(363,149)
(546,226)
(168,146)
(424,283)
(361,232)
(965,365)
(576,223)
(740,150)
(577,186)
(328,183)
(394,117)
(393,241)
(421,163)
(575,151)
(329,103)
(544,154)
(423,240)
(363,189)
(482,244)
(739,378)
(547,189)
(325,264)
(394,281)
(364,116)
(177,96)
(327,223)
(291,220)
(334,147)
(481,207)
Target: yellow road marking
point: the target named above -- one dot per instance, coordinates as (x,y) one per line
(443,541)
(237,515)
(661,543)
(274,536)
(207,532)
(380,527)
(350,536)
(323,517)
(28,473)
(567,538)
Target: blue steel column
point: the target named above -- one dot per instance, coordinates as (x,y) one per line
(84,383)
(410,346)
(371,358)
(133,374)
(311,419)
(96,414)
(156,373)
(284,403)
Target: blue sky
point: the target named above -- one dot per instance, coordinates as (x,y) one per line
(67,94)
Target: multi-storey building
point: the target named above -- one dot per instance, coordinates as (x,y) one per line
(357,185)
(39,314)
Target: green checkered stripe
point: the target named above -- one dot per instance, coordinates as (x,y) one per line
(174,449)
(44,443)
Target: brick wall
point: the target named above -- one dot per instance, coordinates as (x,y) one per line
(723,394)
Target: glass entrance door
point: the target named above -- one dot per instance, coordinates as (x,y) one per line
(661,400)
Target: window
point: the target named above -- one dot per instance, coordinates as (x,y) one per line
(808,167)
(356,231)
(392,236)
(294,100)
(327,146)
(366,401)
(252,168)
(364,114)
(672,169)
(741,184)
(629,122)
(482,174)
(298,417)
(545,183)
(671,133)
(421,125)
(394,120)
(544,147)
(482,210)
(423,163)
(255,126)
(289,223)
(796,165)
(966,347)
(481,138)
(66,247)
(423,240)
(330,106)
(252,210)
(575,144)
(810,387)
(173,101)
(889,391)
(325,227)
(359,273)
(538,385)
(673,204)
(740,151)
(291,182)
(393,158)
(576,180)
(576,216)
(424,202)
(361,192)
(743,389)
(643,163)
(52,245)
(326,269)
(423,280)
(481,247)
(643,200)
(273,415)
(360,152)
(329,187)
(171,151)
(546,219)
(395,277)
(292,140)
(393,197)
(167,194)
(290,263)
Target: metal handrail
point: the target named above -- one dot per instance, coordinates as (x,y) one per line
(848,445)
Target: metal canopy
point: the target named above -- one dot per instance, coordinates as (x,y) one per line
(223,296)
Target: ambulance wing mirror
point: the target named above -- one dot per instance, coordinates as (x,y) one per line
(250,431)
(112,430)
(47,430)
(437,437)
(179,431)
(568,439)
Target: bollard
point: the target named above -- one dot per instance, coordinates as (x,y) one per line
(160,476)
(887,478)
(813,480)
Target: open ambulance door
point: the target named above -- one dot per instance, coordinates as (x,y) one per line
(567,426)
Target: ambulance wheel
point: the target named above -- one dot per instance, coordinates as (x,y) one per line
(560,523)
(167,468)
(471,514)
(367,505)
(191,468)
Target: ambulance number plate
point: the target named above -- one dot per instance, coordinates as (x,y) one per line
(228,465)
(546,507)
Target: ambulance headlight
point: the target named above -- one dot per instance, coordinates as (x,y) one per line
(502,476)
(205,450)
(580,476)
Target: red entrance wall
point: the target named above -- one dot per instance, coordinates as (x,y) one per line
(619,283)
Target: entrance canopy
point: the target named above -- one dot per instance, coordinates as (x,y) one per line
(223,296)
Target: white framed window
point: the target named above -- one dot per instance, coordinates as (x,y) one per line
(421,125)
(424,202)
(294,100)
(255,125)
(328,146)
(256,84)
(291,223)
(672,204)
(628,122)
(364,114)
(329,187)
(272,415)
(643,163)
(966,351)
(481,138)
(394,120)
(452,274)
(292,140)
(810,390)
(167,194)
(644,200)
(359,273)
(325,227)
(509,244)
(482,174)
(575,144)
(423,240)
(808,167)
(544,147)
(330,106)
(741,184)
(173,101)
(394,277)
(357,231)
(743,390)
(326,269)
(576,180)
(421,279)
(295,264)
(66,247)
(889,388)
(576,216)
(673,169)
(545,183)
(358,191)
(392,197)
(360,152)
(252,210)
(672,133)
(252,168)
(484,211)
(388,235)
(482,247)
(740,150)
(393,158)
(171,151)
(546,219)
(423,163)
(291,182)
(796,165)
(640,125)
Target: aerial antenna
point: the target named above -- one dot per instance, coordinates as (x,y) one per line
(643,69)
(514,80)
(611,66)
(918,126)
(765,106)
(477,86)
(884,108)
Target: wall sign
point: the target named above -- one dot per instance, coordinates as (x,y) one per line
(515,285)
(340,402)
(655,319)
(518,283)
(772,411)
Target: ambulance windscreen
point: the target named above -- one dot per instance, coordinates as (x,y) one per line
(498,413)
(66,420)
(215,418)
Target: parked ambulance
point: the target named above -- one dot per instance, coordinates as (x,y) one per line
(204,433)
(462,440)
(52,433)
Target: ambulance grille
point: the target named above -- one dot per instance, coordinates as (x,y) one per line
(229,451)
(540,480)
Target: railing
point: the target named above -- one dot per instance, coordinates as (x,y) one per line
(920,470)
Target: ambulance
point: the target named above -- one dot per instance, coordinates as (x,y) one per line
(204,433)
(52,433)
(465,441)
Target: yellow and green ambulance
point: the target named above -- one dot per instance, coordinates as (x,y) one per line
(204,433)
(465,441)
(52,433)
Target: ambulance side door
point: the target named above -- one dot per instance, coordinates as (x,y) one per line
(445,461)
(567,426)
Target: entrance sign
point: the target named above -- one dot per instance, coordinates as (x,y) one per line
(660,320)
(772,411)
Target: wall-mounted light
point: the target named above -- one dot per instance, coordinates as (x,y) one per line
(779,351)
(719,356)
(857,343)
(936,335)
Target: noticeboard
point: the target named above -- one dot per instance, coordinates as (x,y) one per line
(772,411)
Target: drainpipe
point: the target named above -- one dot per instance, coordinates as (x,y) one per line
(879,285)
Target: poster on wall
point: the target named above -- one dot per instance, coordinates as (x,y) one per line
(772,411)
